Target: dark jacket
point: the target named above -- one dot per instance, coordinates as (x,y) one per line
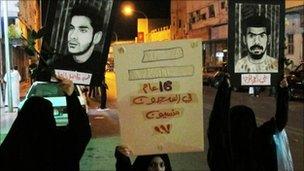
(141,163)
(35,143)
(94,65)
(235,141)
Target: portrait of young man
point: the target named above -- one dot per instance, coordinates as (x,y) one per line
(256,39)
(80,38)
(84,32)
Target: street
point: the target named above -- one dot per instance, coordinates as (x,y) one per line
(99,154)
(159,51)
(105,127)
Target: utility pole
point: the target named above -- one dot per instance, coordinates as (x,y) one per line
(7,58)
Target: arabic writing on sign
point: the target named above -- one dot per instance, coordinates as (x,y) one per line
(255,79)
(76,77)
(163,99)
(153,55)
(157,87)
(161,72)
(163,113)
(163,129)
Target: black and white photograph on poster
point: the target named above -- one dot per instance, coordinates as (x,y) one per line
(256,40)
(80,35)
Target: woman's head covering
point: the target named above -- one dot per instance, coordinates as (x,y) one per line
(30,139)
(243,123)
(36,112)
(142,163)
(243,126)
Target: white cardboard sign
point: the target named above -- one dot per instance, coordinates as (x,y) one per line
(255,79)
(76,77)
(159,94)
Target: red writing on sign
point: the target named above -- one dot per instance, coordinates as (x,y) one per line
(163,99)
(163,129)
(150,87)
(158,114)
(255,79)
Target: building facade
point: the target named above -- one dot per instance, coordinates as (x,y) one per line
(294,34)
(29,18)
(206,20)
(159,34)
(16,12)
(151,30)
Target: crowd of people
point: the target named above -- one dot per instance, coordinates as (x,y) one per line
(236,143)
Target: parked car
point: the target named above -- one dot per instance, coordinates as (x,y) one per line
(296,82)
(209,72)
(53,93)
(215,79)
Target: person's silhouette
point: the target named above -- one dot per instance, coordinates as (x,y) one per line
(236,143)
(35,143)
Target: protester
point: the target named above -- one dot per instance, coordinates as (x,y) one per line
(35,143)
(15,86)
(32,70)
(236,143)
(103,95)
(157,162)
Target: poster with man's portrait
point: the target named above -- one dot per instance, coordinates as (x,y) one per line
(79,37)
(256,41)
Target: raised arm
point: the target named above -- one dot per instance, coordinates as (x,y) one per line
(78,128)
(219,153)
(281,116)
(219,115)
(123,162)
(279,121)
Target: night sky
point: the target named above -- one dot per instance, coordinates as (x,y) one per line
(126,26)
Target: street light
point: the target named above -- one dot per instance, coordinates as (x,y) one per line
(128,10)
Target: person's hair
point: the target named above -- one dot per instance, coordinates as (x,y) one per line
(256,21)
(82,9)
(15,67)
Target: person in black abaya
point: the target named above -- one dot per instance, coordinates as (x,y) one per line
(35,143)
(236,143)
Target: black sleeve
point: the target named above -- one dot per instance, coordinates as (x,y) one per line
(219,118)
(123,163)
(78,128)
(219,153)
(281,116)
(280,120)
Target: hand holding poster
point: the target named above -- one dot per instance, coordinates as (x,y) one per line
(160,96)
